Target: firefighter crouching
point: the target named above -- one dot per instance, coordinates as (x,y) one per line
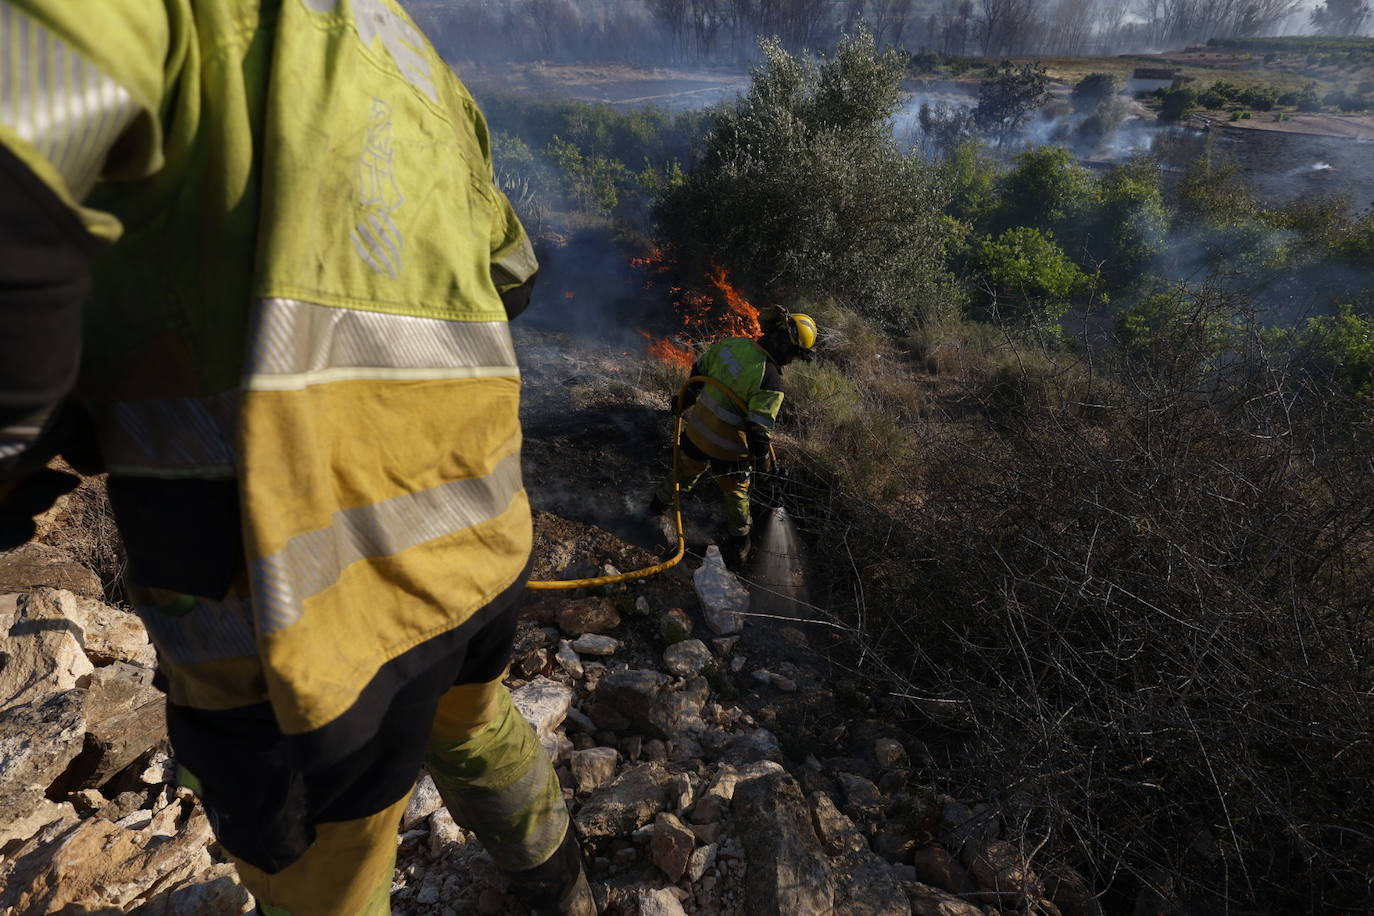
(276,222)
(729,442)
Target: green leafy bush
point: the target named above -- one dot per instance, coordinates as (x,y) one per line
(1129,226)
(971,179)
(1342,345)
(1214,192)
(588,161)
(803,188)
(1179,323)
(1178,103)
(1045,189)
(1094,89)
(925,62)
(1025,277)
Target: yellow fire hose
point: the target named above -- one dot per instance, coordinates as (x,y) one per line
(555,584)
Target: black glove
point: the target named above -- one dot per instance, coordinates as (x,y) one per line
(686,398)
(761,453)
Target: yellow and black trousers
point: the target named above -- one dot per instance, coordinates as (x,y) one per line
(732,477)
(323,840)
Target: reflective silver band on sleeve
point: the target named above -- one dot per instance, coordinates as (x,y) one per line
(209,631)
(297,344)
(58,102)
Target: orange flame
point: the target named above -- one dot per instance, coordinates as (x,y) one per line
(665,351)
(714,311)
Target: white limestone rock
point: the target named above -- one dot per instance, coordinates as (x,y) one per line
(724,599)
(544,704)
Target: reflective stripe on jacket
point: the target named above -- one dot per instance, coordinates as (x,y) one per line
(715,424)
(305,298)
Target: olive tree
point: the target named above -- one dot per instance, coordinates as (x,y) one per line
(803,192)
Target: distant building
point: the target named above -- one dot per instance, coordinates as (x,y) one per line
(1146,79)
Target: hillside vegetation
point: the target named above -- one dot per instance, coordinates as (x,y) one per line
(1088,466)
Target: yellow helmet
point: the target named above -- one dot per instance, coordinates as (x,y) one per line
(803,331)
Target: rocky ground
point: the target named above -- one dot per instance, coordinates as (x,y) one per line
(714,763)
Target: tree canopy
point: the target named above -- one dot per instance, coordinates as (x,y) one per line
(802,187)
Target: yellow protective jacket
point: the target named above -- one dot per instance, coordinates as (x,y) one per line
(302,306)
(715,424)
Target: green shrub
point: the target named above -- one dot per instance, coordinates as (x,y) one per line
(592,182)
(1178,103)
(1214,97)
(594,159)
(971,179)
(1176,324)
(1214,192)
(1094,89)
(1025,278)
(1260,98)
(803,190)
(1046,189)
(925,62)
(1342,345)
(1129,225)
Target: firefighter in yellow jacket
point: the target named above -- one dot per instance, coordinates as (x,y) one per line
(718,435)
(261,241)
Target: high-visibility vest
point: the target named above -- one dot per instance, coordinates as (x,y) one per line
(715,423)
(305,297)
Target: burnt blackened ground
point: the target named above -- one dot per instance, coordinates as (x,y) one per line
(598,434)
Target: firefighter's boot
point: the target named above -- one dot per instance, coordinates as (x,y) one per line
(735,550)
(558,887)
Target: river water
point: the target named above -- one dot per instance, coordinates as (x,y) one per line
(1280,166)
